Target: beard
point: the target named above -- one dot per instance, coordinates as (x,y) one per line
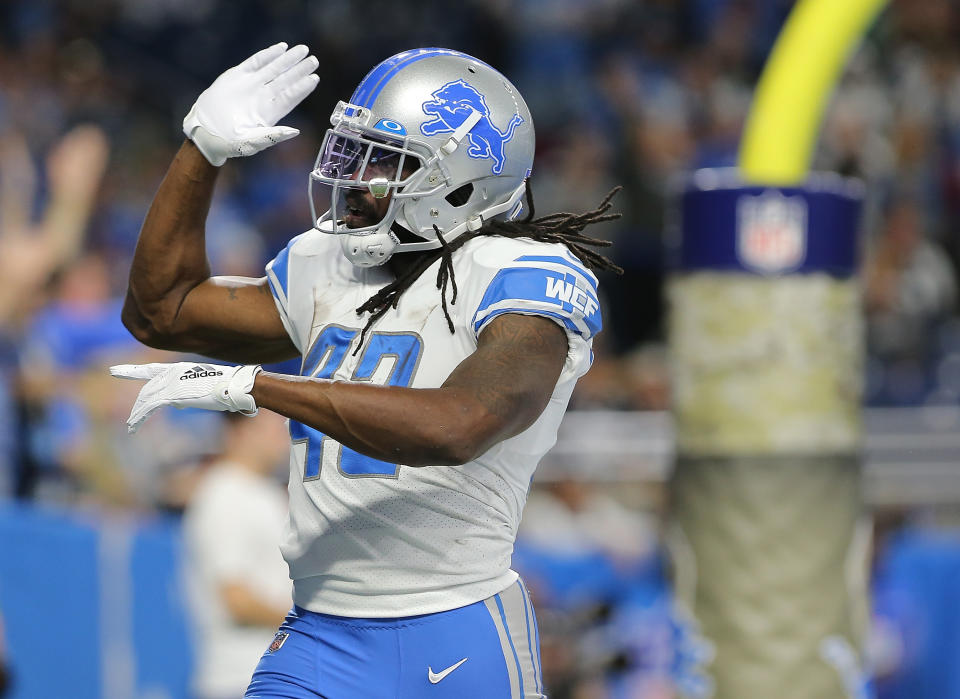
(360,211)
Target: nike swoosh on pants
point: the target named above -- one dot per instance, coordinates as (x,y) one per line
(435,677)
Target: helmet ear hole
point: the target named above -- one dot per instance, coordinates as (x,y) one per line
(461,195)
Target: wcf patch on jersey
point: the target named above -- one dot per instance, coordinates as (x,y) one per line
(278,640)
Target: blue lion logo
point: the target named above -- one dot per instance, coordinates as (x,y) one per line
(450,107)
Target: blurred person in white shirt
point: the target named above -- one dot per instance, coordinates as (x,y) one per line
(238,583)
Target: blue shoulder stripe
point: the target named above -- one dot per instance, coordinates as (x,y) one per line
(278,267)
(538,291)
(557,260)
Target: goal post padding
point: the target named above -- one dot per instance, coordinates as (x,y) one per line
(766,348)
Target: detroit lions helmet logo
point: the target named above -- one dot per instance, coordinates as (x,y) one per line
(450,107)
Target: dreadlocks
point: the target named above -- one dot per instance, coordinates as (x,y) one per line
(565,228)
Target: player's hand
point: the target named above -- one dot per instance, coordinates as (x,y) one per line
(238,114)
(189,385)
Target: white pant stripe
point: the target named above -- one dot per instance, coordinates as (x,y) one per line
(491,605)
(517,629)
(531,635)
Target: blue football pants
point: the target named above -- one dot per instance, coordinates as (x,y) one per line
(487,650)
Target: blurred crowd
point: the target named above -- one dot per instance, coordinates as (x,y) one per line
(93,94)
(623,92)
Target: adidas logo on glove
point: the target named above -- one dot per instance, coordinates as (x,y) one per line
(198,372)
(211,387)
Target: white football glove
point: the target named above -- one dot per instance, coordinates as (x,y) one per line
(237,115)
(189,385)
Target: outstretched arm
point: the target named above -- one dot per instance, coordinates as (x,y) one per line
(494,394)
(172,301)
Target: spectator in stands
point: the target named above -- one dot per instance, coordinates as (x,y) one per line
(237,581)
(592,563)
(32,251)
(910,289)
(66,346)
(910,283)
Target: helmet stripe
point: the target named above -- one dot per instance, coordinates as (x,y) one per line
(376,74)
(405,59)
(371,86)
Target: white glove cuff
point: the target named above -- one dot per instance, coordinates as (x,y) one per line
(235,393)
(212,147)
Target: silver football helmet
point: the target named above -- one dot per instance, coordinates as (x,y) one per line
(443,135)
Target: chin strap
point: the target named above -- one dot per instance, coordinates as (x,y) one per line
(369,250)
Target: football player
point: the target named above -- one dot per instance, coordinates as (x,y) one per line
(441,328)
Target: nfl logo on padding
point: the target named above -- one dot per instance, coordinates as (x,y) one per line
(278,641)
(771,232)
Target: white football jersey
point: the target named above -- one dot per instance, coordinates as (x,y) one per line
(368,538)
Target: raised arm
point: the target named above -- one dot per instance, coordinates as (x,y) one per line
(172,301)
(494,394)
(30,254)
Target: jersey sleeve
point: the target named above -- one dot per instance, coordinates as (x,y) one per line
(558,287)
(278,278)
